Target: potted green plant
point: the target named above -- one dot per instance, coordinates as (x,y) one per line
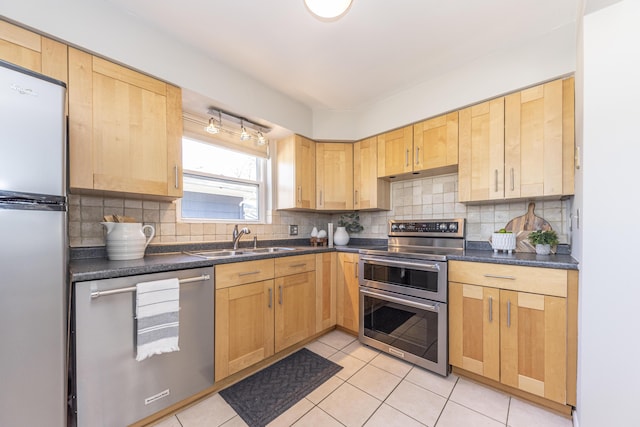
(543,241)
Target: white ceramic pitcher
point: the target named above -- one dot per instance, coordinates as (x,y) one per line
(126,240)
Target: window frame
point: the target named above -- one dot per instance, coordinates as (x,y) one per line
(262,166)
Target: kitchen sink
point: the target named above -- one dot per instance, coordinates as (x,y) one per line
(221,253)
(270,250)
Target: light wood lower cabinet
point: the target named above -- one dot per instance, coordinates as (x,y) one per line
(348,292)
(256,319)
(516,326)
(326,268)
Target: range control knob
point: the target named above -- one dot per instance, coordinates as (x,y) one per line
(453,227)
(394,227)
(443,227)
(401,227)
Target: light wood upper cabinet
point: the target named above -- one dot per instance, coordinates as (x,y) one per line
(296,173)
(347,287)
(518,146)
(435,142)
(515,325)
(369,192)
(539,141)
(481,152)
(334,176)
(395,152)
(125,130)
(33,51)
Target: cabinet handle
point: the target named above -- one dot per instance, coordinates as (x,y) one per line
(355,197)
(280,294)
(248,273)
(302,264)
(356,271)
(490,309)
(496,180)
(175,168)
(299,194)
(495,276)
(512,180)
(417,155)
(270,297)
(509,314)
(406,157)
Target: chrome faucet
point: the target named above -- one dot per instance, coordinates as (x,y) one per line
(238,234)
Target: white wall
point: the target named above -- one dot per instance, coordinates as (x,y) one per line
(609,328)
(96,26)
(506,70)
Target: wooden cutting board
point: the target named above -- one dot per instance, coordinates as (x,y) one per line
(525,224)
(528,222)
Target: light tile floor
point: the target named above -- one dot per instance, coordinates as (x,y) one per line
(374,389)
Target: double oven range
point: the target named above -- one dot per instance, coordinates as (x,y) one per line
(403,291)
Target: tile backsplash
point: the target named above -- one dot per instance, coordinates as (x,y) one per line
(424,198)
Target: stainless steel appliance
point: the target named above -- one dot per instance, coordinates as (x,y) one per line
(111,388)
(403,291)
(33,249)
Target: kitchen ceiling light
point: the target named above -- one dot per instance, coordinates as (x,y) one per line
(328,9)
(244,135)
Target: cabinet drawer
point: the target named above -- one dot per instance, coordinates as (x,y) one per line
(238,273)
(294,264)
(537,280)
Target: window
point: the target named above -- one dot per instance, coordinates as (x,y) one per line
(221,184)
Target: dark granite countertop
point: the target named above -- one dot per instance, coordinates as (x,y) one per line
(96,266)
(561,261)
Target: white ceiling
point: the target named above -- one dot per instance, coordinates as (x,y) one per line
(379,48)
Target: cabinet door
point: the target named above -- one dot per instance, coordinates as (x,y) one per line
(348,295)
(325,290)
(295,309)
(435,142)
(125,130)
(481,152)
(534,343)
(334,176)
(395,152)
(369,191)
(32,51)
(296,167)
(244,327)
(305,172)
(474,329)
(534,141)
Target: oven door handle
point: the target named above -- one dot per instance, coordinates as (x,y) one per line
(406,264)
(387,297)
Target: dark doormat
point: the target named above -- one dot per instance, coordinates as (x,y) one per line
(263,396)
(387,319)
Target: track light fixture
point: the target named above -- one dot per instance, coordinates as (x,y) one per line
(215,127)
(244,135)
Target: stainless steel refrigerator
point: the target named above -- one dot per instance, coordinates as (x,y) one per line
(33,249)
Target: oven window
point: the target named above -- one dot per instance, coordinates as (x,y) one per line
(406,328)
(425,280)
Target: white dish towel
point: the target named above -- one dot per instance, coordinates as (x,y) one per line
(157,314)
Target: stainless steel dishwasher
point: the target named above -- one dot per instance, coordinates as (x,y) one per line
(111,388)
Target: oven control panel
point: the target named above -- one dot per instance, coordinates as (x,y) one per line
(426,228)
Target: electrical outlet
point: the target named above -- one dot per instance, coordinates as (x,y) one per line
(293,230)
